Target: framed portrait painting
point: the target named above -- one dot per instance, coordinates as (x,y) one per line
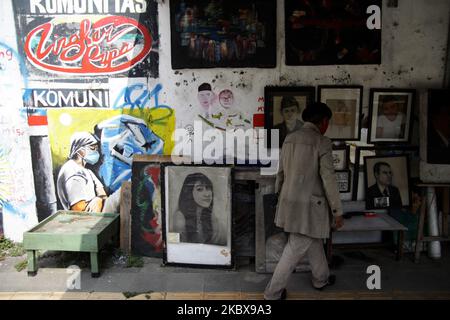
(197,215)
(390,114)
(218,34)
(283,110)
(346,104)
(387,181)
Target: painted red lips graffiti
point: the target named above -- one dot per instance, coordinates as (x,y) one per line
(110,45)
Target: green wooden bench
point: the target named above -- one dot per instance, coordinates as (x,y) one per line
(72,231)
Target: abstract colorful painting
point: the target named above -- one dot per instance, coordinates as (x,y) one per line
(218,33)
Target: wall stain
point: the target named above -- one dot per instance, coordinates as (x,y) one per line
(343,77)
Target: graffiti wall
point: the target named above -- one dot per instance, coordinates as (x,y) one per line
(76,39)
(117,135)
(17,196)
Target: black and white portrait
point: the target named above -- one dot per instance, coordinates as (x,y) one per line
(283,109)
(198,214)
(387,184)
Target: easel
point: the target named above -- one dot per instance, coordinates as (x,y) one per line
(423,211)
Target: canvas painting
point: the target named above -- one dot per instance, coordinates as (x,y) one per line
(330,32)
(218,33)
(146,221)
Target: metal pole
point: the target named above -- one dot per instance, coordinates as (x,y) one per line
(43,176)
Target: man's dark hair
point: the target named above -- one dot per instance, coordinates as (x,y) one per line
(316,112)
(205,87)
(289,101)
(376,167)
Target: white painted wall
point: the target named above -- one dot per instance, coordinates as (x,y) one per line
(16,174)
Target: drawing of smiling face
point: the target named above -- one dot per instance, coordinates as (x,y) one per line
(226,98)
(205,98)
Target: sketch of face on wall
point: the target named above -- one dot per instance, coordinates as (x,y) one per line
(205,98)
(226,98)
(198,205)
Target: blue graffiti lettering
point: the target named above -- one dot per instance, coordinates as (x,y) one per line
(137,96)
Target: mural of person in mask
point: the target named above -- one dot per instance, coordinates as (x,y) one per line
(77,186)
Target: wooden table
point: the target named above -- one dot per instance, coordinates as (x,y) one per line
(379,222)
(71,231)
(445,188)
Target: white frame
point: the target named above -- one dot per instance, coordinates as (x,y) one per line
(198,253)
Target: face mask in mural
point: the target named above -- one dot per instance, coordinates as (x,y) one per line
(91,156)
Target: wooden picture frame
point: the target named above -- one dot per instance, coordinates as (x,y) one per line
(346,104)
(190,192)
(397,151)
(380,172)
(390,115)
(292,99)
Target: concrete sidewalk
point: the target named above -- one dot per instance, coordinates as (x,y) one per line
(404,279)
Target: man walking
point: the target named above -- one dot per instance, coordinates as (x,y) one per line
(307,188)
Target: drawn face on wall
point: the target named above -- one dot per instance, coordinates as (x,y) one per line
(202,195)
(205,97)
(226,98)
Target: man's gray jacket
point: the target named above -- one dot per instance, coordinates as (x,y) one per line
(306,183)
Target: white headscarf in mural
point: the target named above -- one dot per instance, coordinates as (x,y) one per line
(80,140)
